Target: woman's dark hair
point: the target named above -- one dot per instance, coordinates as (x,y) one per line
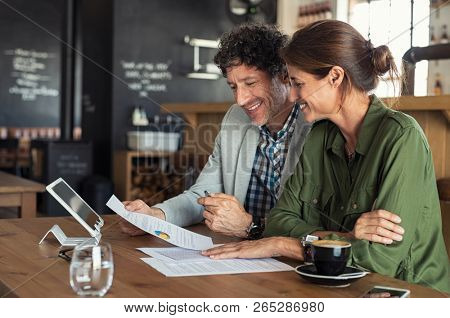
(319,46)
(252,44)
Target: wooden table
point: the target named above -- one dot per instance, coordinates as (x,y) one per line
(19,192)
(31,270)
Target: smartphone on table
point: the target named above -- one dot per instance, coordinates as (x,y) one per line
(386,292)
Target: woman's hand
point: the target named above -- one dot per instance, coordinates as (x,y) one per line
(138,206)
(378,226)
(266,247)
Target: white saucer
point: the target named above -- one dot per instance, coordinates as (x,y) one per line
(309,273)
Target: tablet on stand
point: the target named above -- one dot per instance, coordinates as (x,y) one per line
(80,210)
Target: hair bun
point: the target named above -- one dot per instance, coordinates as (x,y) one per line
(382,60)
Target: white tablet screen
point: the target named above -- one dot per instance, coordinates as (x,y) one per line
(72,199)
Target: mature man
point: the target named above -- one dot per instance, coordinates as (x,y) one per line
(257,148)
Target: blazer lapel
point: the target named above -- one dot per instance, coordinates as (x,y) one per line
(244,164)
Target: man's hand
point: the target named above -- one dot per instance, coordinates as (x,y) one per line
(225,214)
(379,226)
(138,206)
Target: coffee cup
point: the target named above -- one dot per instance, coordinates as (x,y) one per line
(330,256)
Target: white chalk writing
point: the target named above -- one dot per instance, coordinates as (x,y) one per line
(145,77)
(29,68)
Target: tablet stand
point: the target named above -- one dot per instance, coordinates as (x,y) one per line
(70,241)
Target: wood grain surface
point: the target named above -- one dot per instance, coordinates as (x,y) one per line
(31,270)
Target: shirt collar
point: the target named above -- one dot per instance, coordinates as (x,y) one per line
(288,127)
(369,128)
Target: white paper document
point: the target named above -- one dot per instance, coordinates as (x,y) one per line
(174,254)
(162,229)
(217,267)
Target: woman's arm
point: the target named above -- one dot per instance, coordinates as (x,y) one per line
(379,226)
(286,218)
(266,247)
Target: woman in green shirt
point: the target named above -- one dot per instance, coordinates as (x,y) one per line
(366,173)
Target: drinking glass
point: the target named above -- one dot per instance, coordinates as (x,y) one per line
(92,269)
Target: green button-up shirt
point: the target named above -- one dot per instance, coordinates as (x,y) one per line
(392,170)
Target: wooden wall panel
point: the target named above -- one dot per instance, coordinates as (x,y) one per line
(447,151)
(421,118)
(445,210)
(201,132)
(437,131)
(436,127)
(431,112)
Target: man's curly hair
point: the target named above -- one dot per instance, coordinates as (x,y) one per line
(252,44)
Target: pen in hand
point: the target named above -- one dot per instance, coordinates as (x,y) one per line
(207,194)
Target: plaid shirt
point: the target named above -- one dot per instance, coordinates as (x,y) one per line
(262,193)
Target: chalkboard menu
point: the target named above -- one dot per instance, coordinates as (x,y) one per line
(30,62)
(151,60)
(70,160)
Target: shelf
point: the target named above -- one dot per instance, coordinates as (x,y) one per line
(404,103)
(152,184)
(422,102)
(197,108)
(147,153)
(432,113)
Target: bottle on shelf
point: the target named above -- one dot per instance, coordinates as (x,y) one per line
(144,119)
(309,16)
(136,116)
(444,36)
(313,12)
(437,88)
(169,119)
(434,3)
(156,120)
(320,13)
(315,7)
(3,133)
(300,19)
(155,123)
(432,36)
(139,116)
(328,12)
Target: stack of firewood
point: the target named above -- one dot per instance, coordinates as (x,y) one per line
(153,185)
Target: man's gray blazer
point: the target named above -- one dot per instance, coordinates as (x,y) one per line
(229,167)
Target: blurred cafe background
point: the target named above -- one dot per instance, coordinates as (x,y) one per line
(123,96)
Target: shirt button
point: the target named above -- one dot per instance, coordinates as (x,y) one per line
(315,201)
(342,207)
(354,206)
